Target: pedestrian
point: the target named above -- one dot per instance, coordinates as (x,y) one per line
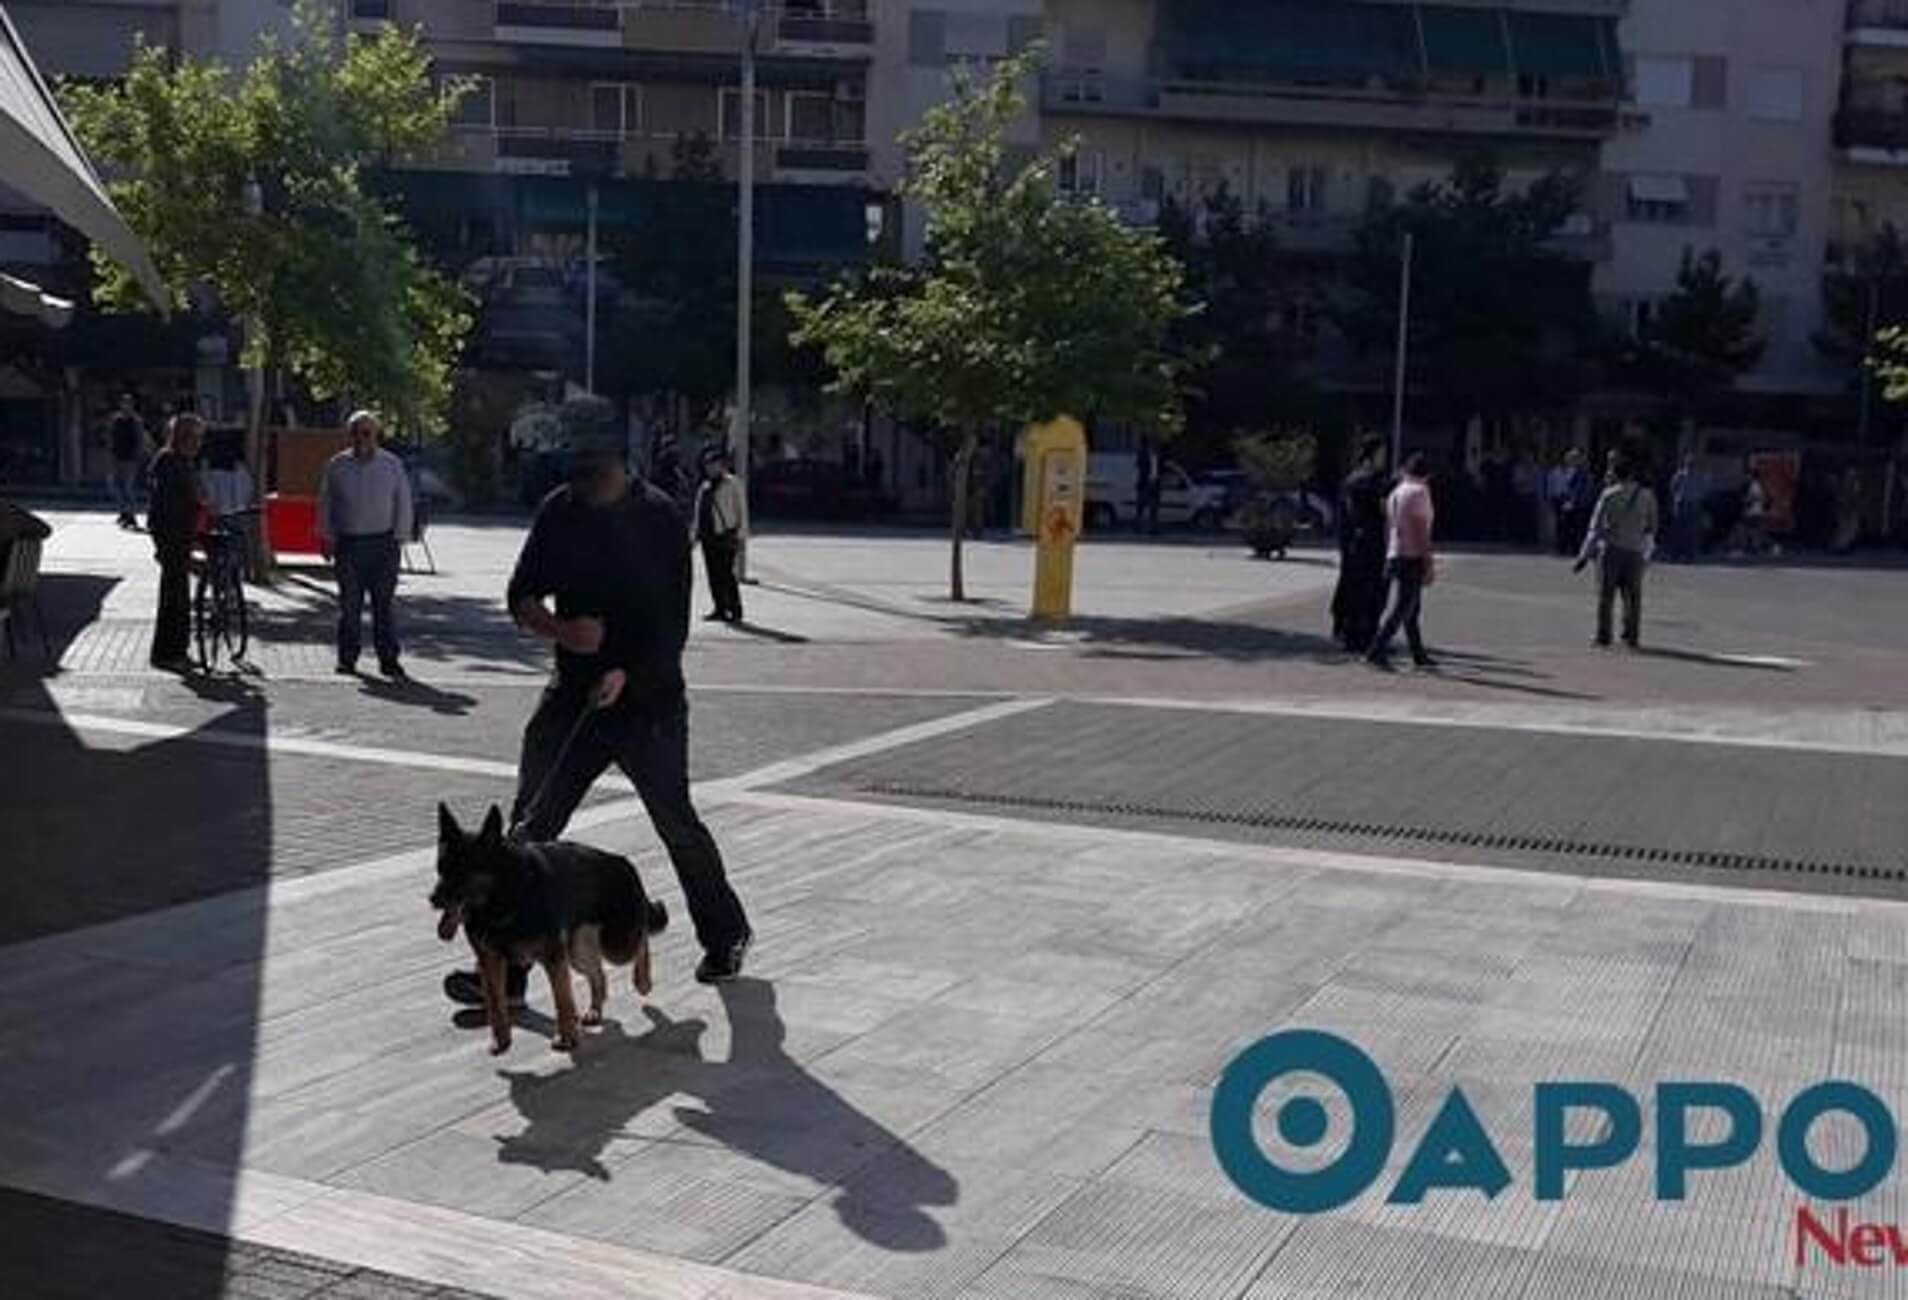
(1752,527)
(174,522)
(1622,539)
(1358,602)
(1409,564)
(719,518)
(1569,492)
(614,555)
(365,514)
(127,434)
(1146,488)
(1689,498)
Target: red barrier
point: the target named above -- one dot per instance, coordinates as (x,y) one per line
(291,524)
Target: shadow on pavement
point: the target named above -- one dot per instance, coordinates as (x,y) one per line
(760,1103)
(431,628)
(418,694)
(1122,637)
(98,827)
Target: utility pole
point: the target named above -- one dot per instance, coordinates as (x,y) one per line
(745,281)
(1398,375)
(589,288)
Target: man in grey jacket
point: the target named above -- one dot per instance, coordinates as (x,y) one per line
(1622,539)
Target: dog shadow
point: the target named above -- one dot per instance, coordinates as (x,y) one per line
(760,1103)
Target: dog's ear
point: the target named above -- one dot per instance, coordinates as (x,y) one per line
(447,828)
(493,825)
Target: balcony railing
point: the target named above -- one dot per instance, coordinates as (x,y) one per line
(561,17)
(1073,91)
(844,156)
(1878,13)
(1870,128)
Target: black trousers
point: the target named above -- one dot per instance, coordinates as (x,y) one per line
(1407,602)
(1620,573)
(652,749)
(718,558)
(172,630)
(1358,602)
(367,566)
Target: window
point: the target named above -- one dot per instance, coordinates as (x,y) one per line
(1658,198)
(479,107)
(1305,190)
(1665,82)
(616,108)
(1770,209)
(824,119)
(975,42)
(1080,172)
(1775,94)
(729,114)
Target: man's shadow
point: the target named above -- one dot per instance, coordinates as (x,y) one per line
(761,1103)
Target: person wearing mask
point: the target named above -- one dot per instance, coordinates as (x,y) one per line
(1359,600)
(174,523)
(127,435)
(1409,564)
(719,517)
(365,513)
(1622,539)
(612,554)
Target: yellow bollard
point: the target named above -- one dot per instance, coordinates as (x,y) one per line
(1057,468)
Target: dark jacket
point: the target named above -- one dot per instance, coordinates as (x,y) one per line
(1361,512)
(627,564)
(174,514)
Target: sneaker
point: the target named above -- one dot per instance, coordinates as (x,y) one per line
(466,989)
(725,967)
(1425,662)
(715,616)
(1381,662)
(344,669)
(394,671)
(175,664)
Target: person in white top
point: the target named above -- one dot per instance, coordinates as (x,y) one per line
(1408,563)
(364,518)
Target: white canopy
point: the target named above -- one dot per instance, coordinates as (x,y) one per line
(40,158)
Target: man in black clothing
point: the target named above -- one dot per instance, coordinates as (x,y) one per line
(173,521)
(615,555)
(1359,600)
(128,438)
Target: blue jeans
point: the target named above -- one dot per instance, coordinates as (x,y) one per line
(1407,602)
(125,484)
(367,565)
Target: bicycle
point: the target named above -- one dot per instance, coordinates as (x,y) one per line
(218,603)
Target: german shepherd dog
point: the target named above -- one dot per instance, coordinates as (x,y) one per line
(556,905)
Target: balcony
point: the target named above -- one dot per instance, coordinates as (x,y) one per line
(825,27)
(1873,135)
(1878,22)
(824,161)
(1070,92)
(549,22)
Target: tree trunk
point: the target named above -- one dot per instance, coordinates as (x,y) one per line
(963,460)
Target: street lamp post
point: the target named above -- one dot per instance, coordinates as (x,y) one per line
(1398,375)
(745,279)
(589,288)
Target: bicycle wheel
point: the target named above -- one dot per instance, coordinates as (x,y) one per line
(204,612)
(232,628)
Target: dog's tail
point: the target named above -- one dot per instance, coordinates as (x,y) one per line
(657,919)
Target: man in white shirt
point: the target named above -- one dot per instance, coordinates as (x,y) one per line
(364,516)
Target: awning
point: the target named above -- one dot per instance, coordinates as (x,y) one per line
(1650,187)
(41,159)
(24,299)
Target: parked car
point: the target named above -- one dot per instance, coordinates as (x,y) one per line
(1309,511)
(813,489)
(1113,494)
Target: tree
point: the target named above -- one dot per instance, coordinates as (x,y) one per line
(1026,305)
(1243,359)
(1502,322)
(247,185)
(1701,336)
(1859,303)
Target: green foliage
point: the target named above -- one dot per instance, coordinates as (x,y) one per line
(1027,305)
(1864,300)
(693,158)
(1703,335)
(1502,323)
(1278,460)
(334,292)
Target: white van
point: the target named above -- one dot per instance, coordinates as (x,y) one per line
(1113,495)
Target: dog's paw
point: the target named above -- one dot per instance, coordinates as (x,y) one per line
(499,1046)
(593,1019)
(563,1043)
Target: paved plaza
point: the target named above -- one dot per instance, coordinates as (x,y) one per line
(1020,896)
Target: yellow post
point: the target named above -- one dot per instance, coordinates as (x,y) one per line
(1057,464)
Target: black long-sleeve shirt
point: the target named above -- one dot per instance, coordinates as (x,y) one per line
(627,564)
(174,512)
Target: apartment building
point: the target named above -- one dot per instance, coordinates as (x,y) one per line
(1729,148)
(1871,129)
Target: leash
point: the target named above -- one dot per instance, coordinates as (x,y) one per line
(556,765)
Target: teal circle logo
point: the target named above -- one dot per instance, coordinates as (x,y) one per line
(1302,1121)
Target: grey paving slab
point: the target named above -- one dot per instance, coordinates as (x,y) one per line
(1337,1261)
